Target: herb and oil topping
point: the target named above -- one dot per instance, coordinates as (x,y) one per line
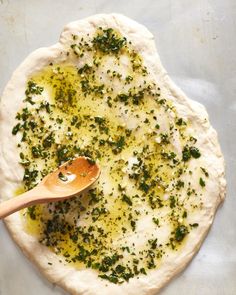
(103,104)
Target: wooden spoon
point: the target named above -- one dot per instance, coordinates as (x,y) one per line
(68,180)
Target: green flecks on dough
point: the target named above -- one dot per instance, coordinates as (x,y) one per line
(108,41)
(72,111)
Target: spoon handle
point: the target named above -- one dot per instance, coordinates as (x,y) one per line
(15,204)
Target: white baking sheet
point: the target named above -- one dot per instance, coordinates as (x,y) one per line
(196,40)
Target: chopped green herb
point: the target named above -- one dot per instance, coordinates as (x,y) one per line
(205,171)
(195,152)
(194,225)
(202,182)
(155,220)
(127,200)
(62,177)
(189,152)
(16,129)
(180,233)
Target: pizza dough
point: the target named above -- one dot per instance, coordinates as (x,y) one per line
(102,92)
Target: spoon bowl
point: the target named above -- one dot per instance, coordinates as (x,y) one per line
(71,178)
(68,180)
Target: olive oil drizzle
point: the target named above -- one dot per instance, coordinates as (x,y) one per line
(74,110)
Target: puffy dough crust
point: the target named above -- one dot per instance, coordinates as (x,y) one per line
(72,280)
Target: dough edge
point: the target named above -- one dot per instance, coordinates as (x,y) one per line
(66,276)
